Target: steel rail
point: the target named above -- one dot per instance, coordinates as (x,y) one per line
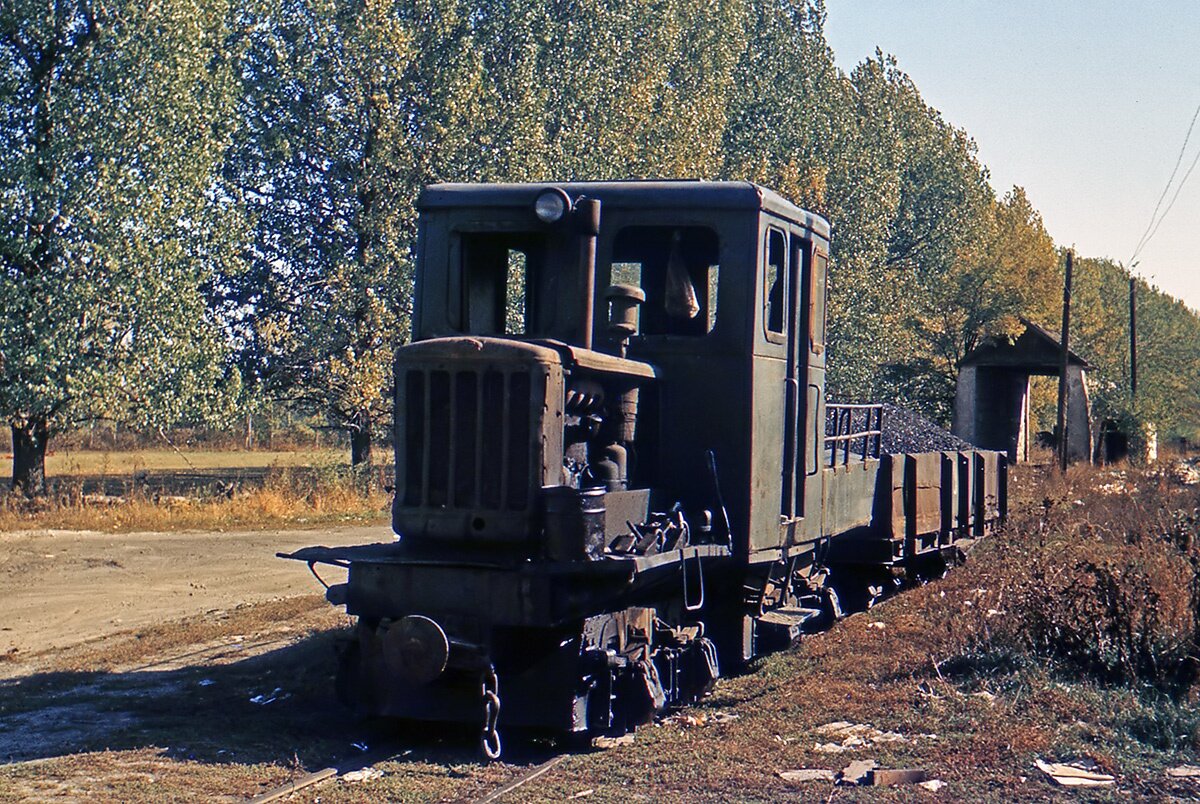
(522,780)
(316,777)
(535,772)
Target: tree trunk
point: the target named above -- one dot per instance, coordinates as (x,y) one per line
(29,457)
(360,440)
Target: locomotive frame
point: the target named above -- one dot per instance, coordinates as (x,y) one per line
(602,512)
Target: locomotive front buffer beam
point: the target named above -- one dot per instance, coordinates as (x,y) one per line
(568,642)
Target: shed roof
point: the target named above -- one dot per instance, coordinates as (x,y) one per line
(1035,349)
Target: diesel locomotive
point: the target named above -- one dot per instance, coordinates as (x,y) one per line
(617,470)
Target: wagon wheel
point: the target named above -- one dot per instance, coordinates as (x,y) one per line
(856,594)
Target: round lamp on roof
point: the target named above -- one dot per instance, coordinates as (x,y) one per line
(552,205)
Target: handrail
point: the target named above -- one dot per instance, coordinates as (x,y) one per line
(855,405)
(848,428)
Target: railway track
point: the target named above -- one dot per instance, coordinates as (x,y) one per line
(534,772)
(393,751)
(367,760)
(522,780)
(373,758)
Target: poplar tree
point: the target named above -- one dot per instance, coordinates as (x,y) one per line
(114,120)
(349,109)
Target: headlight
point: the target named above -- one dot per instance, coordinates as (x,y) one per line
(552,205)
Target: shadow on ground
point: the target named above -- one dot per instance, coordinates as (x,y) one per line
(275,707)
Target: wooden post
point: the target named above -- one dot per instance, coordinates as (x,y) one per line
(1132,338)
(1062,367)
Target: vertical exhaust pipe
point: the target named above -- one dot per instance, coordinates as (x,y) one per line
(587,212)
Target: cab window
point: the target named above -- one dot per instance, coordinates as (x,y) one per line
(499,273)
(819,305)
(775,289)
(677,267)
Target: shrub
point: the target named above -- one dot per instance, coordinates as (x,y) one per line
(1102,577)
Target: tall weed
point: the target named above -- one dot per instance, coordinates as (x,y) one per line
(285,497)
(1100,577)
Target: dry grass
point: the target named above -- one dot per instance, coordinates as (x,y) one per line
(106,462)
(165,714)
(286,498)
(968,671)
(1101,576)
(180,642)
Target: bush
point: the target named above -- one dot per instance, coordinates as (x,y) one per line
(1101,578)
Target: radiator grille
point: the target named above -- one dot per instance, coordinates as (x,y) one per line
(467,438)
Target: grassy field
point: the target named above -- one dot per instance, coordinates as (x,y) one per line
(202,489)
(88,463)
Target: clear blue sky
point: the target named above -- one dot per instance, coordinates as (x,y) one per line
(1084,104)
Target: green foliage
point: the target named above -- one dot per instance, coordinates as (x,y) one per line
(325,295)
(1168,393)
(352,108)
(325,119)
(115,120)
(1169,363)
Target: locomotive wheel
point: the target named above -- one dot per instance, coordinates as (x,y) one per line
(933,569)
(874,593)
(854,595)
(860,593)
(577,742)
(733,634)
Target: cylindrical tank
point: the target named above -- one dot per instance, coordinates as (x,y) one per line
(573,523)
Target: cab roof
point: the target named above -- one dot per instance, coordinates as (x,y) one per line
(677,193)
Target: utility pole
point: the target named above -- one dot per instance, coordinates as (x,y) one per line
(1132,338)
(1062,367)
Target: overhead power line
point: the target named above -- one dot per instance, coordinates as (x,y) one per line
(1156,219)
(1182,182)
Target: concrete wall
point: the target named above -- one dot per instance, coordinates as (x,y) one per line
(991,410)
(1079,416)
(964,404)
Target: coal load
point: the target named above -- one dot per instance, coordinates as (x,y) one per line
(905,431)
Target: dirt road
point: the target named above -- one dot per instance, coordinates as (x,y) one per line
(61,588)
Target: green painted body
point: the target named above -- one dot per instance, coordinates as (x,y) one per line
(563,469)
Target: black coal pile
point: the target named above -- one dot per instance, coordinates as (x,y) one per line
(905,431)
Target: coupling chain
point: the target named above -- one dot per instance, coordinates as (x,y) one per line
(489,741)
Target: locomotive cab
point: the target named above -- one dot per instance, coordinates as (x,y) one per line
(692,313)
